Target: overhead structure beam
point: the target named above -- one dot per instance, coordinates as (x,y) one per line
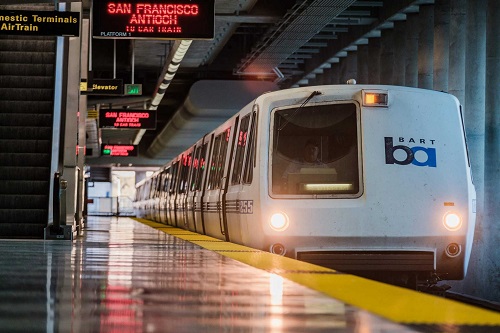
(169,70)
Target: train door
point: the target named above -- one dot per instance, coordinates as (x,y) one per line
(182,189)
(238,202)
(200,179)
(165,181)
(214,198)
(190,216)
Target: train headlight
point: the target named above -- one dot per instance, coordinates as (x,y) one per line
(452,221)
(279,221)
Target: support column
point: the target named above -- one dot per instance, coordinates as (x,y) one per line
(441,44)
(387,57)
(399,53)
(350,67)
(363,68)
(426,47)
(492,149)
(456,77)
(411,59)
(374,61)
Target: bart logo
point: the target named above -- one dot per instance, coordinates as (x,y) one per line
(409,152)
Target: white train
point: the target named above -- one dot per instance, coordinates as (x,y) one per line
(384,189)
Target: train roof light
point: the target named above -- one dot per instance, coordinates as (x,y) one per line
(375,98)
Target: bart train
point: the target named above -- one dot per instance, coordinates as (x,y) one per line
(390,190)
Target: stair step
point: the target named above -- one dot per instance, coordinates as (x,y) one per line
(18,228)
(26,82)
(17,107)
(27,45)
(23,187)
(25,146)
(27,57)
(24,173)
(23,133)
(16,94)
(23,201)
(27,69)
(26,119)
(24,160)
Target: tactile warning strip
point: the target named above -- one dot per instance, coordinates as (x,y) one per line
(394,303)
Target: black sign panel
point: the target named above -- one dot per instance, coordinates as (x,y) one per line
(127,119)
(155,19)
(104,87)
(39,23)
(119,150)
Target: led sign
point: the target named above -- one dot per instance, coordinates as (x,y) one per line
(39,23)
(119,150)
(155,19)
(127,119)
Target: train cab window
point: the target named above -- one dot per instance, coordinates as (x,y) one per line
(250,158)
(240,149)
(315,151)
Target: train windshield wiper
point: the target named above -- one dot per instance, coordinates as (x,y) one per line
(314,93)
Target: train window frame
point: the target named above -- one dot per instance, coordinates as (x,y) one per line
(334,190)
(173,179)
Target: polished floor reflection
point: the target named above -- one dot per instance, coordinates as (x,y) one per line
(123,276)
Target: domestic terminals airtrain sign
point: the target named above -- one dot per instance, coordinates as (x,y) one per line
(155,19)
(39,23)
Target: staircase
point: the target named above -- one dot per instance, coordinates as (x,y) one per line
(26,112)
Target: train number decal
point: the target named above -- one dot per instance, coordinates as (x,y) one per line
(245,206)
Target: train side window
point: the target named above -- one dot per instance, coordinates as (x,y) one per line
(173,180)
(240,149)
(186,164)
(201,167)
(195,169)
(250,158)
(166,181)
(214,161)
(222,156)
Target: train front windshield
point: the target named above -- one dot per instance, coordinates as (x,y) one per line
(315,151)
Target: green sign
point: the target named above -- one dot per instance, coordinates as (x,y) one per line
(133,89)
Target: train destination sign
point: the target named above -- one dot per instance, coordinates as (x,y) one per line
(39,23)
(127,119)
(154,19)
(119,150)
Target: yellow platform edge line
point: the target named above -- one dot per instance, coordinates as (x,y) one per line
(394,303)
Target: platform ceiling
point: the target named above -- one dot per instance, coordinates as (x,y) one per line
(287,42)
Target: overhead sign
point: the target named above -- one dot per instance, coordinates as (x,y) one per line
(155,19)
(102,87)
(39,23)
(119,150)
(127,119)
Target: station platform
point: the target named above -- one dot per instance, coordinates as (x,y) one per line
(133,275)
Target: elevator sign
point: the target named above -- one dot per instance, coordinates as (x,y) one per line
(154,19)
(127,119)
